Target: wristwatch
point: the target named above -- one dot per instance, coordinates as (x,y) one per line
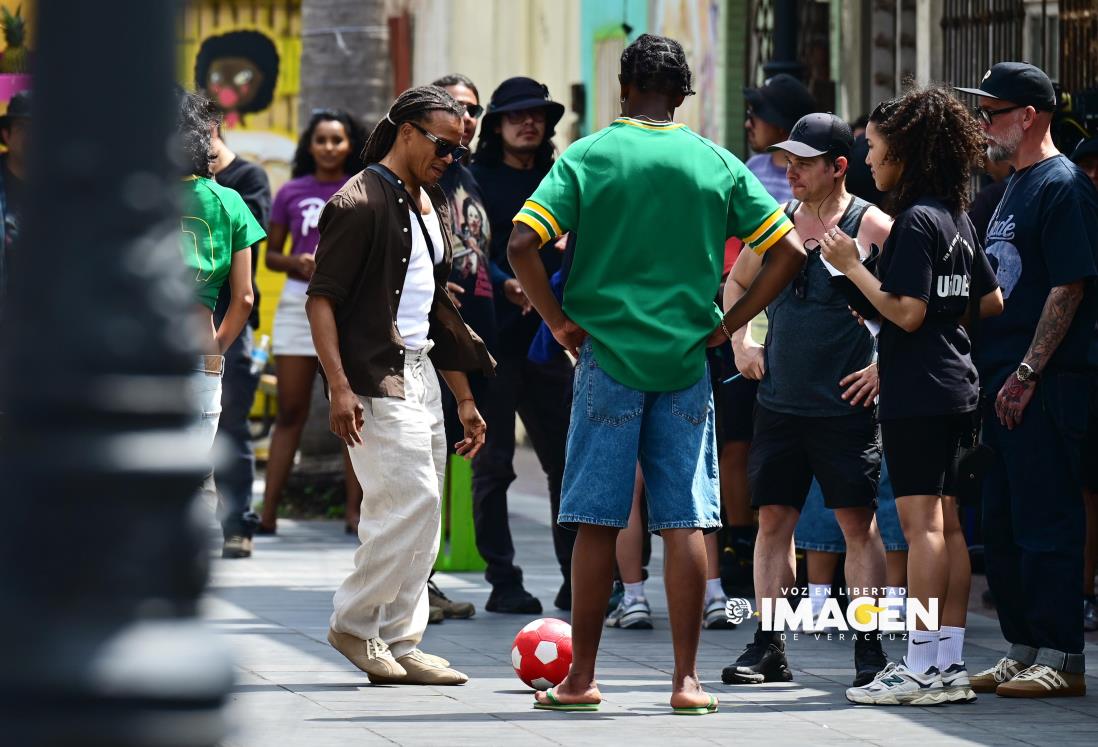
(1026,374)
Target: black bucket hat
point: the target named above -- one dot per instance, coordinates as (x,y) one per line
(781,101)
(517,94)
(18,108)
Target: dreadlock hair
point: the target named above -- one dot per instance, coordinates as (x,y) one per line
(304,163)
(411,106)
(939,143)
(457,79)
(656,64)
(193,132)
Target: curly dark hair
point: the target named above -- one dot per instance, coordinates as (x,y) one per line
(252,45)
(658,64)
(194,132)
(304,163)
(411,106)
(939,143)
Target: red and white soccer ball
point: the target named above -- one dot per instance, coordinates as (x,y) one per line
(542,652)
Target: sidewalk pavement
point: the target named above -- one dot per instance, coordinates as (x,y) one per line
(294,689)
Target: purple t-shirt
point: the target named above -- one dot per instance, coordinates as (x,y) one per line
(297,206)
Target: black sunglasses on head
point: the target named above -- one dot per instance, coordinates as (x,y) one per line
(443,148)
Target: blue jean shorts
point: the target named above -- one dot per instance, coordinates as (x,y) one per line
(818,530)
(672,434)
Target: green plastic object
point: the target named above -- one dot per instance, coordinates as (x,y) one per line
(457,547)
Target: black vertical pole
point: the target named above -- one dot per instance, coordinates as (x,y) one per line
(101,562)
(786,28)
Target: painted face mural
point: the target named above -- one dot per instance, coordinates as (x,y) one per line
(238,71)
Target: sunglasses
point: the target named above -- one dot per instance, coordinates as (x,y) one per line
(800,282)
(538,115)
(443,148)
(986,115)
(474,110)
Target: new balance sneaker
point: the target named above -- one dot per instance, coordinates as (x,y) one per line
(633,614)
(869,659)
(989,680)
(957,685)
(1042,681)
(617,593)
(715,616)
(450,608)
(763,660)
(898,685)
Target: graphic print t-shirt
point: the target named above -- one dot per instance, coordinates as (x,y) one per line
(472,241)
(1043,234)
(297,206)
(933,256)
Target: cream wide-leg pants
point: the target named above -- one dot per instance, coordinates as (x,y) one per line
(401,464)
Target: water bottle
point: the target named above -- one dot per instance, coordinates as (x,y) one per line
(260,354)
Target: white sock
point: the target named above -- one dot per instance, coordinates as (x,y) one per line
(949,647)
(818,594)
(922,650)
(897,592)
(713,590)
(633,592)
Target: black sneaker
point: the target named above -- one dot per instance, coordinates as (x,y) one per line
(512,600)
(564,596)
(617,593)
(737,569)
(869,658)
(762,661)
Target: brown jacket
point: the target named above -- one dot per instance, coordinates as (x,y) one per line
(361,263)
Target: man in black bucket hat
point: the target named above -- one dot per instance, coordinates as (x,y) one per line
(514,152)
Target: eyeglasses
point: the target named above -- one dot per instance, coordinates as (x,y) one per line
(985,115)
(800,282)
(474,110)
(443,148)
(538,115)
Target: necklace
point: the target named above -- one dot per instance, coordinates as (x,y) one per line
(650,119)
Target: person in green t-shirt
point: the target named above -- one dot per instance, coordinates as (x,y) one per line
(652,204)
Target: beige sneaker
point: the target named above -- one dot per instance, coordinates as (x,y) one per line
(450,608)
(988,680)
(372,656)
(436,660)
(1042,681)
(422,669)
(237,546)
(435,615)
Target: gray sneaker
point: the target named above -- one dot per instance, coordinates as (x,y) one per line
(636,615)
(898,685)
(957,685)
(715,616)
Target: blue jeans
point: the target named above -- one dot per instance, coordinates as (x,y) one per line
(673,434)
(236,471)
(818,530)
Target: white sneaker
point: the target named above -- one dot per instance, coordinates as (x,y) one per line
(634,614)
(898,685)
(715,615)
(957,685)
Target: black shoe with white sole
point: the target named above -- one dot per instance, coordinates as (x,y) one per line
(762,661)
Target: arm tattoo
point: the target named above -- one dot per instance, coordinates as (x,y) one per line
(1060,307)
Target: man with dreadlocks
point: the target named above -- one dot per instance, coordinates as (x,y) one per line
(381,321)
(639,313)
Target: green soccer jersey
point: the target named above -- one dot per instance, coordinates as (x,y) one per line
(215,223)
(652,206)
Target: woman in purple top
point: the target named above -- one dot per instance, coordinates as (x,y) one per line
(327,154)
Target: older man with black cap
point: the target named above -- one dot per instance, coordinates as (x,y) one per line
(1043,243)
(514,152)
(773,109)
(814,416)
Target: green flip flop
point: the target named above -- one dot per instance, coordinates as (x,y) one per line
(711,707)
(556,705)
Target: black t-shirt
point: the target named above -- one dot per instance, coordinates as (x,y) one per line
(933,256)
(1043,234)
(250,182)
(505,190)
(472,236)
(983,206)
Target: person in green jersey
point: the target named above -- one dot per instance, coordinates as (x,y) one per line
(652,204)
(215,225)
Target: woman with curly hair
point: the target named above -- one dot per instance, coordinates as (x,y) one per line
(327,155)
(922,149)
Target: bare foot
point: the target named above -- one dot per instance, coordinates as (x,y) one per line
(688,693)
(569,692)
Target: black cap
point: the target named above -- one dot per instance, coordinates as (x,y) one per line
(1018,82)
(818,134)
(517,94)
(781,101)
(1084,149)
(18,108)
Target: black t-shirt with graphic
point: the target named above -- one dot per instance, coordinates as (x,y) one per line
(934,256)
(1043,234)
(472,241)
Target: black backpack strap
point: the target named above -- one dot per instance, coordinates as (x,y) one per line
(791,207)
(413,206)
